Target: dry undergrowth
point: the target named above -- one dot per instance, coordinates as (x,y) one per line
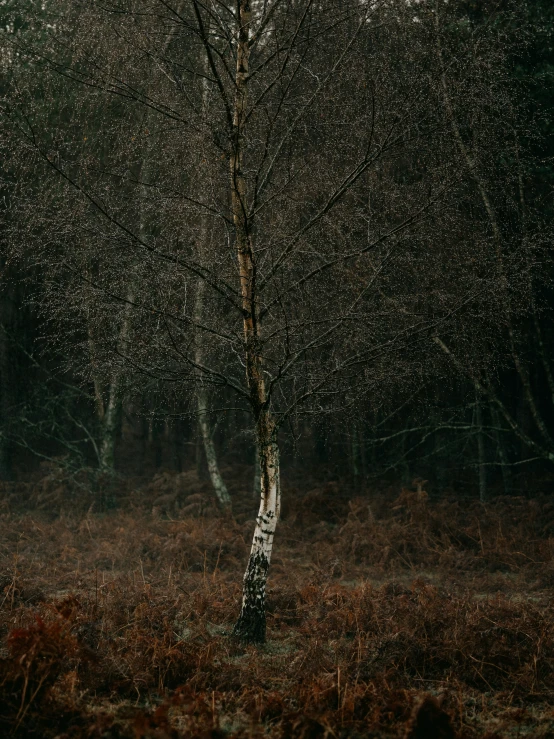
(416,619)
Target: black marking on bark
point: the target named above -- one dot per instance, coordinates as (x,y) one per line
(251,624)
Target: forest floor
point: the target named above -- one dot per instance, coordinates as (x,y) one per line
(389,615)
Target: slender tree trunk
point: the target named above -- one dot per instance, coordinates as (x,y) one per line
(110,423)
(257,482)
(217,481)
(202,404)
(107,413)
(481,450)
(112,410)
(251,624)
(501,448)
(97,382)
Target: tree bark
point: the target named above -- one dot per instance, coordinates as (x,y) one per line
(202,406)
(217,481)
(257,481)
(112,410)
(251,624)
(110,422)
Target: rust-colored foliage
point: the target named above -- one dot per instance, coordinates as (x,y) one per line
(37,656)
(405,619)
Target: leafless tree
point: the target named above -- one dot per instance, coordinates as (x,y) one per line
(305,233)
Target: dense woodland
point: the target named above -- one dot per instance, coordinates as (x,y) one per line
(293,257)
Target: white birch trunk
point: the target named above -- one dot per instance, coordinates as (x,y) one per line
(112,410)
(202,406)
(98,395)
(217,481)
(251,625)
(109,426)
(257,482)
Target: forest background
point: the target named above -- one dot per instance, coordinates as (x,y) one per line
(240,240)
(464,191)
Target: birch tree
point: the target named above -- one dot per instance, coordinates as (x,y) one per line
(303,138)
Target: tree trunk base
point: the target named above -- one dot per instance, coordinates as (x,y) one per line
(251,625)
